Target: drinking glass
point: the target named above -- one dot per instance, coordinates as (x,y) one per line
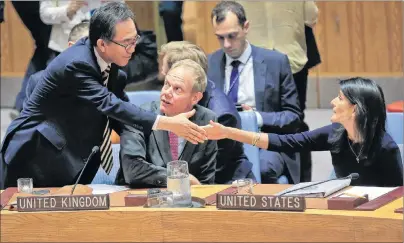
(178,183)
(244,186)
(25,185)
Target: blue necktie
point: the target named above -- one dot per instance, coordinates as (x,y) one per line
(234,81)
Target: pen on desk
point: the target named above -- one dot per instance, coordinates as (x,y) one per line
(353,195)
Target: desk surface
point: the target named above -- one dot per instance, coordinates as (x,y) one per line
(208,224)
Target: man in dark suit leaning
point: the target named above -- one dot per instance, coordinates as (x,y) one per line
(259,80)
(232,163)
(78,31)
(144,154)
(75,105)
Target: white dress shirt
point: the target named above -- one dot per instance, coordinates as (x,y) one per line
(103,65)
(246,93)
(246,88)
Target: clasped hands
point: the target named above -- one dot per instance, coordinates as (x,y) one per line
(183,127)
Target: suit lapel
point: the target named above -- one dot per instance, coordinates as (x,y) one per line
(187,152)
(161,139)
(217,65)
(260,70)
(222,66)
(189,148)
(163,145)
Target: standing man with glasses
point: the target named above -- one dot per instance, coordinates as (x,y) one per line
(78,99)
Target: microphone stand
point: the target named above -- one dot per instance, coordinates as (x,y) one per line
(93,151)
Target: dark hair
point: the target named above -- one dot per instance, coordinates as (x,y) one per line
(370,115)
(222,8)
(105,18)
(79,31)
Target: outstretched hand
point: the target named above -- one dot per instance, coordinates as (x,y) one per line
(215,131)
(183,127)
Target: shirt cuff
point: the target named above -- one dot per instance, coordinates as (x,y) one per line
(154,128)
(259,119)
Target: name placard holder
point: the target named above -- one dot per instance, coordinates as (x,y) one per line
(260,202)
(63,203)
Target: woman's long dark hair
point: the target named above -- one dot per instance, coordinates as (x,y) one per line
(370,115)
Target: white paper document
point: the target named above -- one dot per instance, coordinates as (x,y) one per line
(372,192)
(105,189)
(321,190)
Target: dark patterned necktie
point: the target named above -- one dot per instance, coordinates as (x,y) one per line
(106,146)
(234,81)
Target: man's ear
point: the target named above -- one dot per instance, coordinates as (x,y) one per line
(101,45)
(246,26)
(196,98)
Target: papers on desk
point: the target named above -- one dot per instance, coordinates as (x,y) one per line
(319,190)
(106,189)
(372,192)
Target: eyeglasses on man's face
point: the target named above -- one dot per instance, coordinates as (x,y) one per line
(129,46)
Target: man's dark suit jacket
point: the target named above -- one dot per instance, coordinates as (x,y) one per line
(275,94)
(144,155)
(232,163)
(64,118)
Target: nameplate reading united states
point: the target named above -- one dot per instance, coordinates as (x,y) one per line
(260,202)
(63,203)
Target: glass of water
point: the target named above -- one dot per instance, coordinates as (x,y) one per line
(162,199)
(25,185)
(244,186)
(178,183)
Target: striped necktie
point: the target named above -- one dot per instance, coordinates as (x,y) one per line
(106,147)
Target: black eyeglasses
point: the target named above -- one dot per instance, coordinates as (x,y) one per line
(128,46)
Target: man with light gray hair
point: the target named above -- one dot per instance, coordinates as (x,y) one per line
(144,156)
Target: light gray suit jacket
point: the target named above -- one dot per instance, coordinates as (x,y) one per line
(144,156)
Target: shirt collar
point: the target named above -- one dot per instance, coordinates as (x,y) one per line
(243,58)
(103,64)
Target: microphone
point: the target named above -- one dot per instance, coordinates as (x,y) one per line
(352,176)
(93,151)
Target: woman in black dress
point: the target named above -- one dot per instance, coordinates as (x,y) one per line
(357,138)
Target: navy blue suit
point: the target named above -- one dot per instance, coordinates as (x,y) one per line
(64,118)
(275,97)
(232,163)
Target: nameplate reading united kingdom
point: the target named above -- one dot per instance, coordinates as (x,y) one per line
(260,202)
(63,203)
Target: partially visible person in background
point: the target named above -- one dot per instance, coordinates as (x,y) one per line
(286,23)
(171,12)
(313,54)
(1,11)
(143,65)
(40,32)
(63,16)
(259,80)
